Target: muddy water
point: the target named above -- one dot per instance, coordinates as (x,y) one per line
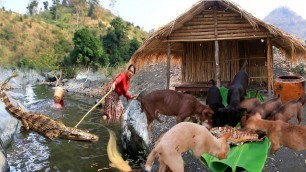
(30,151)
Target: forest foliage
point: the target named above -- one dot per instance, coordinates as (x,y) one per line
(66,33)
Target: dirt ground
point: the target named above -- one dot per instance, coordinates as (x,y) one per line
(152,77)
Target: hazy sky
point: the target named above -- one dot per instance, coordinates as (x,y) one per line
(151,14)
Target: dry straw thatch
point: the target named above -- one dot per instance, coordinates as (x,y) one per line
(155,46)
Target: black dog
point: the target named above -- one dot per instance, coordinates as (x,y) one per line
(236,93)
(214,100)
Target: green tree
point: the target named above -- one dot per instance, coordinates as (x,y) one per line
(92,6)
(54,9)
(32,7)
(116,42)
(112,4)
(64,3)
(88,50)
(46,5)
(79,7)
(134,45)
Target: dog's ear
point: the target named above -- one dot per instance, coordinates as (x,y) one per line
(257,116)
(208,112)
(206,106)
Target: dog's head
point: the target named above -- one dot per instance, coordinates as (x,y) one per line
(243,120)
(232,115)
(206,116)
(251,122)
(223,151)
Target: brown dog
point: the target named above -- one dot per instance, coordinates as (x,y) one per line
(250,103)
(289,110)
(265,109)
(279,133)
(170,102)
(182,137)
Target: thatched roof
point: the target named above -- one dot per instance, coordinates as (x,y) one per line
(155,46)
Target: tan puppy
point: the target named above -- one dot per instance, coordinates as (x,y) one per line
(182,137)
(289,110)
(279,133)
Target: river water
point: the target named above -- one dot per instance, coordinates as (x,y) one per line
(30,151)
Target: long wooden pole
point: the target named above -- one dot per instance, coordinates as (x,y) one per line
(94,107)
(269,65)
(217,63)
(168,66)
(217,59)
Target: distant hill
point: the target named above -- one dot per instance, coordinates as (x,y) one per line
(287,20)
(39,38)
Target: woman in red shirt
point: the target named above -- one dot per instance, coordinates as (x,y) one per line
(121,84)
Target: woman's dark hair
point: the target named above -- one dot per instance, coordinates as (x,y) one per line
(133,67)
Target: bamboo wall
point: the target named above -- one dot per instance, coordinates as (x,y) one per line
(198,62)
(255,52)
(229,59)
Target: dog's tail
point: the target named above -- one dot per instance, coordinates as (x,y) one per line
(140,95)
(150,160)
(212,82)
(141,105)
(244,65)
(140,98)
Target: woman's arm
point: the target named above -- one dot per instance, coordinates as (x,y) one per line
(117,80)
(127,95)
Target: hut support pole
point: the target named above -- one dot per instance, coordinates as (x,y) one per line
(168,66)
(269,65)
(217,76)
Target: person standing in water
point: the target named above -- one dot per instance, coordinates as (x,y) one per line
(58,93)
(120,86)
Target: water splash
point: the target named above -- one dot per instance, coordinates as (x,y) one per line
(30,96)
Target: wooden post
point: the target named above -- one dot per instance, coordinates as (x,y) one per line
(269,65)
(183,65)
(217,76)
(217,60)
(168,66)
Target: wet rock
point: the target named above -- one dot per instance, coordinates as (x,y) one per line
(3,162)
(91,76)
(50,76)
(8,126)
(65,80)
(134,137)
(100,104)
(23,77)
(31,77)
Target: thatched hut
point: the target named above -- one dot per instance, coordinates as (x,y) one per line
(213,39)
